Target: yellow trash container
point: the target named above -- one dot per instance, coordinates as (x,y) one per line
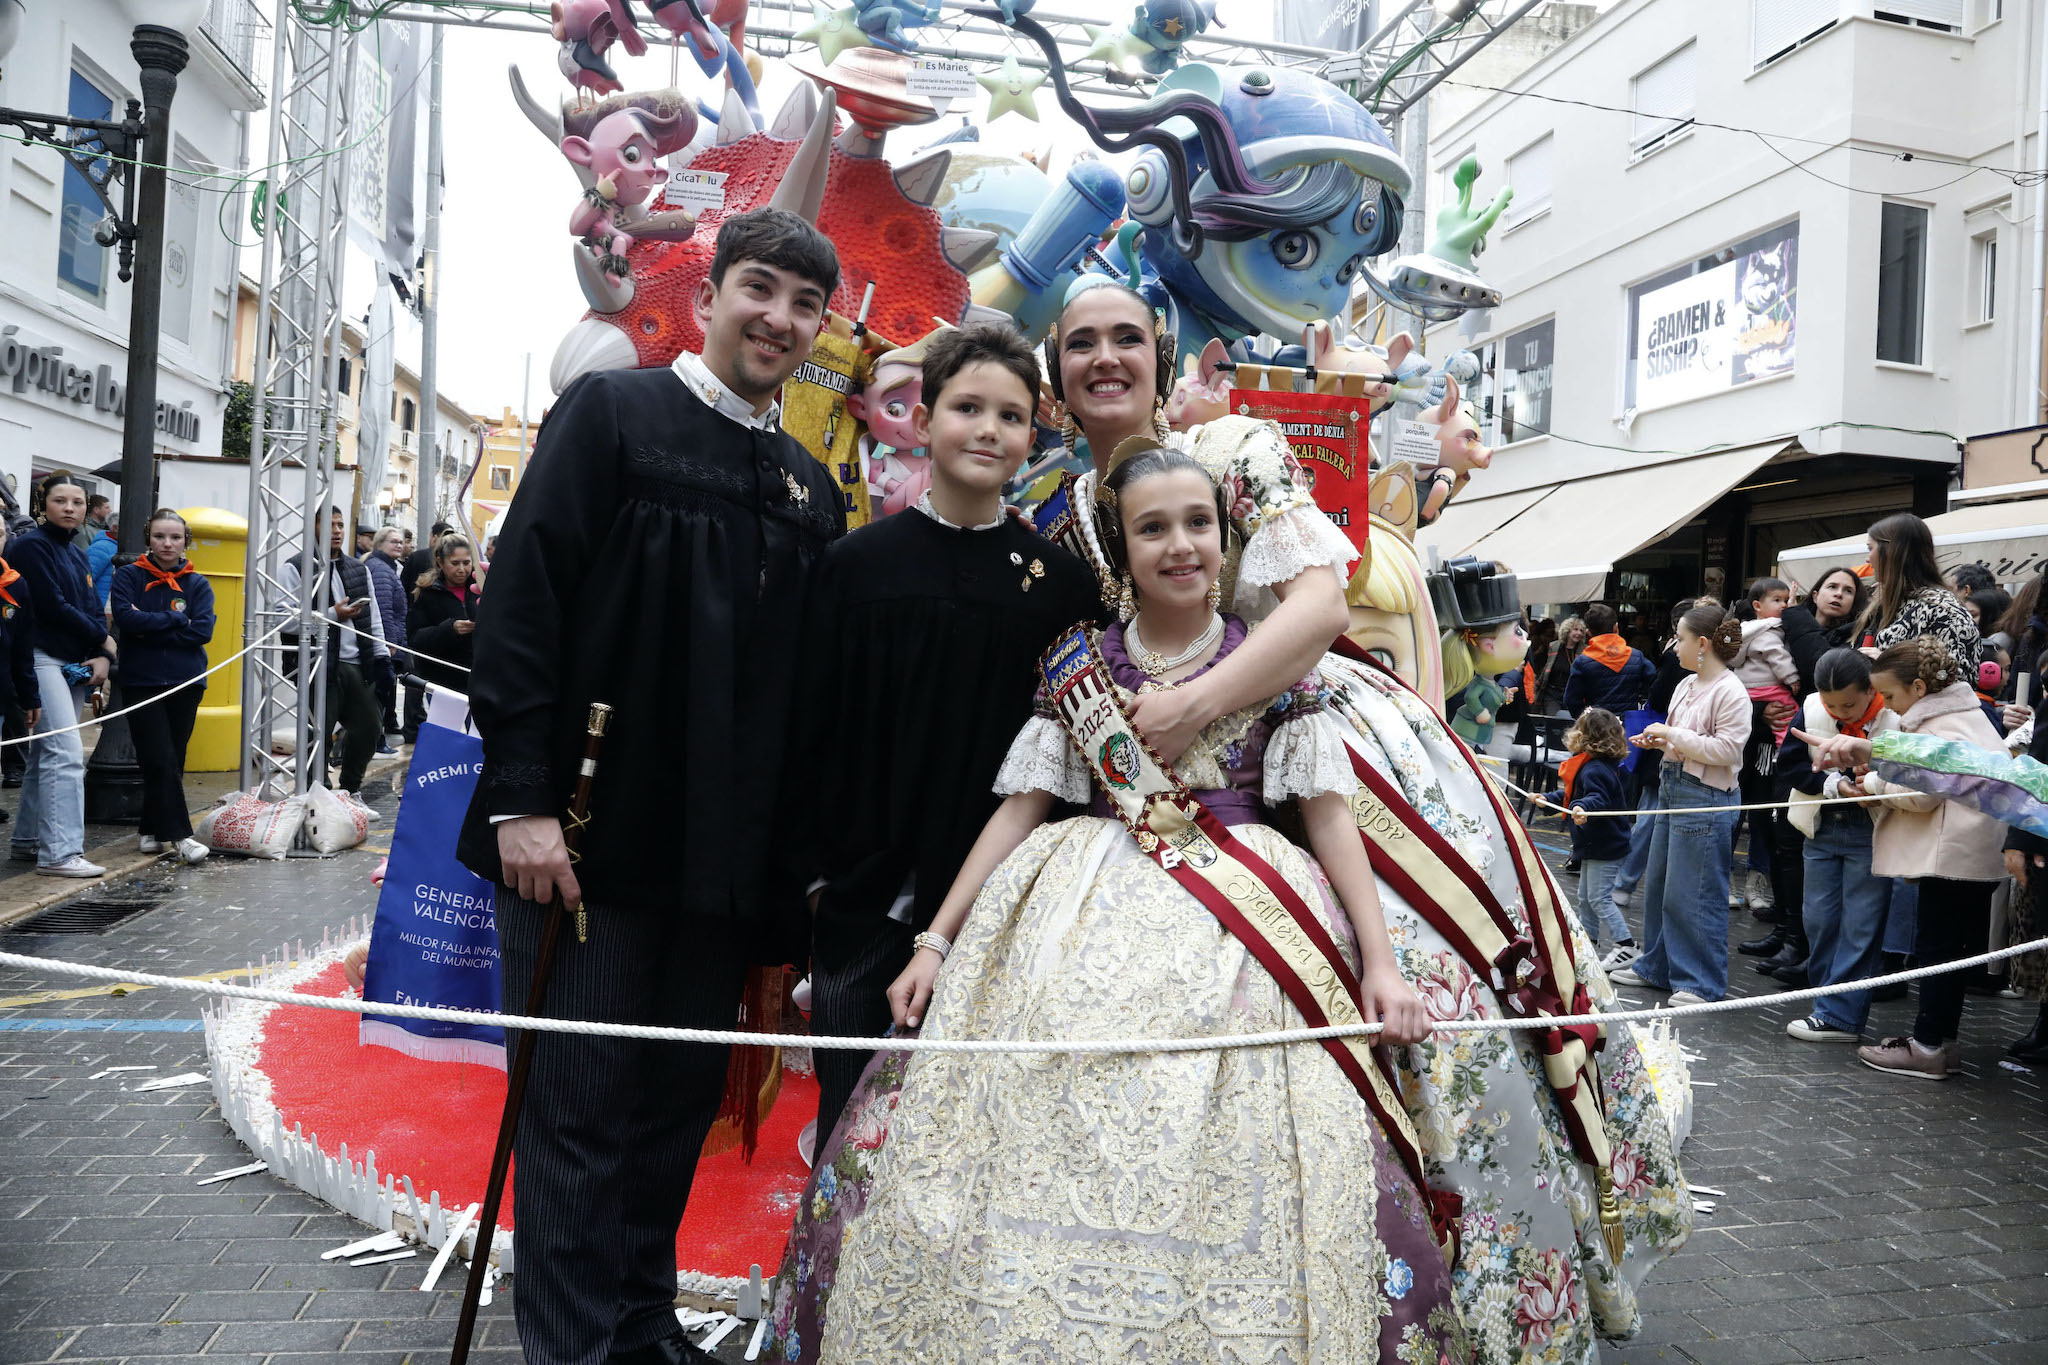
(218,548)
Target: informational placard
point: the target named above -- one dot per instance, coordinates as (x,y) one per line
(695,191)
(940,78)
(1415,441)
(1328,434)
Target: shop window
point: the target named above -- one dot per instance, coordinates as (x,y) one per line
(1778,26)
(1984,275)
(81,261)
(1529,177)
(501,477)
(1664,98)
(1901,282)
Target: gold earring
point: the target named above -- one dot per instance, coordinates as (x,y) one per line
(1216,593)
(1159,425)
(1126,600)
(1069,434)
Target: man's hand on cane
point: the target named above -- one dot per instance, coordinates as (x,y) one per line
(536,860)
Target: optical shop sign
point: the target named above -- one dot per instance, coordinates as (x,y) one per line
(1731,323)
(29,367)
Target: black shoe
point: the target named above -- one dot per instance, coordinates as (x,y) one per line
(674,1349)
(1767,914)
(1794,975)
(1571,864)
(1767,946)
(2029,1049)
(11,780)
(2035,1039)
(1786,956)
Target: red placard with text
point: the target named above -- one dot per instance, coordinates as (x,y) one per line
(1328,434)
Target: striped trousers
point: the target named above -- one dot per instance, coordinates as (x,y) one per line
(608,1141)
(847,1001)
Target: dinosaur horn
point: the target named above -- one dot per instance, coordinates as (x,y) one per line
(548,121)
(802,190)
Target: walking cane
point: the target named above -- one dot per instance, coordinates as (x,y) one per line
(522,1052)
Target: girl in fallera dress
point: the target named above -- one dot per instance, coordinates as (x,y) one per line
(1118,1206)
(1532,1278)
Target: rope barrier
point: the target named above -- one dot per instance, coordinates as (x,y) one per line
(127,710)
(1083,1047)
(1537,800)
(392,644)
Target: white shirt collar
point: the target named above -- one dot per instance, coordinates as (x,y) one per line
(691,369)
(924,505)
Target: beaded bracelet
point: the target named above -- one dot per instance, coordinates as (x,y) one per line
(935,942)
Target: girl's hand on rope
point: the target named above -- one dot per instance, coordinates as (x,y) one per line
(1656,735)
(1389,999)
(1578,815)
(2016,715)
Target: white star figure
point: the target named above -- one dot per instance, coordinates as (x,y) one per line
(1010,90)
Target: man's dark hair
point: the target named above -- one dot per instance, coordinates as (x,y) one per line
(779,238)
(96,501)
(442,528)
(1600,619)
(983,343)
(1972,577)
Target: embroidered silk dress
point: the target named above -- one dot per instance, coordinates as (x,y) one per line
(1533,1280)
(1223,1205)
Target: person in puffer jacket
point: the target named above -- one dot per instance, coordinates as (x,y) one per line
(1608,673)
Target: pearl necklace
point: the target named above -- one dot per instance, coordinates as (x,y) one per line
(1157,666)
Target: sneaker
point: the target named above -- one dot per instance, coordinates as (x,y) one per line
(1685,998)
(191,851)
(74,866)
(1814,1029)
(1736,900)
(1905,1057)
(1571,864)
(1627,977)
(1622,896)
(384,747)
(149,843)
(1621,956)
(1760,897)
(22,853)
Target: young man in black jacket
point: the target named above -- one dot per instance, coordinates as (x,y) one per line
(657,559)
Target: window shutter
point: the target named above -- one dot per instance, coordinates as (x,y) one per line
(1949,12)
(1665,96)
(1777,24)
(1529,177)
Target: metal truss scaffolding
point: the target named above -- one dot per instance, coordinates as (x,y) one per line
(1417,48)
(292,442)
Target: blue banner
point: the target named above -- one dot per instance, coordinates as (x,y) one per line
(435,939)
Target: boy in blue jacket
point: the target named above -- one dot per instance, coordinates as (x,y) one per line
(1608,673)
(1592,781)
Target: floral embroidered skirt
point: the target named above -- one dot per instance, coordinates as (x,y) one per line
(1533,1281)
(1234,1205)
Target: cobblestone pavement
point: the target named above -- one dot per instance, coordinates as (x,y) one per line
(1867,1218)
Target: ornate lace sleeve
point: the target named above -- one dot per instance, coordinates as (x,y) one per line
(1289,544)
(1043,759)
(1307,757)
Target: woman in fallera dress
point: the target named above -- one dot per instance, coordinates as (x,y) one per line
(1533,1278)
(1217,1204)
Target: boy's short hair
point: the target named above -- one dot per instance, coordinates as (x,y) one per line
(1762,587)
(779,238)
(1600,619)
(981,343)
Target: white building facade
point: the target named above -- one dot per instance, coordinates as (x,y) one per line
(1766,261)
(64,311)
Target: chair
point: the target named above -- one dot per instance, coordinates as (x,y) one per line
(1533,766)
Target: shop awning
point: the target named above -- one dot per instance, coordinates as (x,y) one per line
(1464,524)
(2008,538)
(1563,543)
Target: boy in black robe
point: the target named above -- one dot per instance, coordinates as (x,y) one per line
(924,636)
(656,559)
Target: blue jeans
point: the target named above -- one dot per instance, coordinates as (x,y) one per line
(1685,889)
(1630,875)
(1596,900)
(1844,912)
(52,816)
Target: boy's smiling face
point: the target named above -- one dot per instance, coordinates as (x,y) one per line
(977,430)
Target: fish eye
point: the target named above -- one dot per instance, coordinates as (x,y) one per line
(1296,250)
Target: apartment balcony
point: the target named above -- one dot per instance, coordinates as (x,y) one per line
(234,51)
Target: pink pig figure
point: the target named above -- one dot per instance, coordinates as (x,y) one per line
(898,469)
(1203,391)
(1459,452)
(619,145)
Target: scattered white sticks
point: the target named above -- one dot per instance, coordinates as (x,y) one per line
(232,1172)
